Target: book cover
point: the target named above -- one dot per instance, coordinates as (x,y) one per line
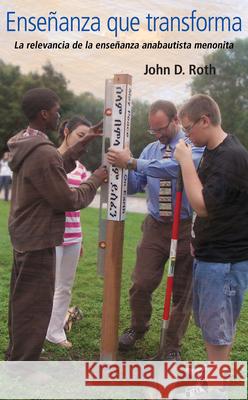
(172,50)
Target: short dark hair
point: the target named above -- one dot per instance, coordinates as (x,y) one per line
(166,106)
(201,104)
(72,124)
(37,99)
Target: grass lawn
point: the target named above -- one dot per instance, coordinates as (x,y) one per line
(87,294)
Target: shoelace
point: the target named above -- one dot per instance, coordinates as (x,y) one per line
(173,354)
(130,331)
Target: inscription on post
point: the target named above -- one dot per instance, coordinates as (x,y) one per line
(118,178)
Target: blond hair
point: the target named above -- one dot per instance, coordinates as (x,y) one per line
(199,105)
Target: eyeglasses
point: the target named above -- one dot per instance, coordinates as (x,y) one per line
(159,130)
(188,129)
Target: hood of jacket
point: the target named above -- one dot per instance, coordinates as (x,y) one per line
(21,146)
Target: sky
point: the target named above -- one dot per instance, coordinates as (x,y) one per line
(86,70)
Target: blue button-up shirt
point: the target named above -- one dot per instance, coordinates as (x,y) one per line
(151,166)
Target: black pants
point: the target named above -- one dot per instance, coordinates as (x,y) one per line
(30,303)
(152,254)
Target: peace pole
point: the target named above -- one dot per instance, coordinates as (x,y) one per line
(116,209)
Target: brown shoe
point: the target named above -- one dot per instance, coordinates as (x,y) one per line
(128,339)
(73,314)
(173,355)
(66,344)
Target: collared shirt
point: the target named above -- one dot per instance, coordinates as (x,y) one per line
(151,167)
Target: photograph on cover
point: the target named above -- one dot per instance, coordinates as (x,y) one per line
(135,112)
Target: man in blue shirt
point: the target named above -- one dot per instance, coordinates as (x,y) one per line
(156,172)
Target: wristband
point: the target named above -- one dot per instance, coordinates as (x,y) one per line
(131,164)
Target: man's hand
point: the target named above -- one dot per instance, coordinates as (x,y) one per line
(183,152)
(97,128)
(192,250)
(119,158)
(101,173)
(94,132)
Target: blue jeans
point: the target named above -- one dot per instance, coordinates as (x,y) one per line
(218,292)
(5,182)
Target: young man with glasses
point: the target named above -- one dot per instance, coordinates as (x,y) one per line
(219,196)
(156,172)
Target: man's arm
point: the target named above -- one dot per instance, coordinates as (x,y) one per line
(136,182)
(163,169)
(192,183)
(51,182)
(166,168)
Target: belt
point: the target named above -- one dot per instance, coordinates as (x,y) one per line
(169,220)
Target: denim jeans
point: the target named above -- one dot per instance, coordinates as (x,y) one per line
(218,292)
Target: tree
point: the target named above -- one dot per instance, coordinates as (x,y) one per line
(10,113)
(13,84)
(139,136)
(229,87)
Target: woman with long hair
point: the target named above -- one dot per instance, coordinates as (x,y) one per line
(67,255)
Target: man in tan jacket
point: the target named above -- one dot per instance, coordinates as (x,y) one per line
(40,197)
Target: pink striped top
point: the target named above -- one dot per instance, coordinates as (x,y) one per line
(73,231)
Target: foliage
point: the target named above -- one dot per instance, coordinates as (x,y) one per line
(229,87)
(139,136)
(13,84)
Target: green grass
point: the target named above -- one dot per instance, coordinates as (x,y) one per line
(87,294)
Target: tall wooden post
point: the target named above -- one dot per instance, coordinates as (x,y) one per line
(117,192)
